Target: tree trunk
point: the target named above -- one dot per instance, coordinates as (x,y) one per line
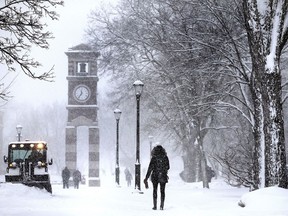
(258,172)
(266,30)
(204,170)
(189,172)
(275,160)
(192,165)
(198,160)
(202,162)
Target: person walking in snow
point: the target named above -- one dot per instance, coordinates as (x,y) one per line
(65,177)
(76,178)
(128,177)
(158,166)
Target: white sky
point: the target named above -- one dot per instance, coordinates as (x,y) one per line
(68,32)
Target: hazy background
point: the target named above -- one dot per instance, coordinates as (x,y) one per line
(27,94)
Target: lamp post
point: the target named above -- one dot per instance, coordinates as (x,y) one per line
(19,129)
(138,85)
(117,113)
(150,142)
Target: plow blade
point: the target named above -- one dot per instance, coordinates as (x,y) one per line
(42,185)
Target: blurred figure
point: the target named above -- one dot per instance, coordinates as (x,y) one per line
(158,166)
(65,177)
(76,178)
(35,156)
(210,173)
(128,177)
(83,179)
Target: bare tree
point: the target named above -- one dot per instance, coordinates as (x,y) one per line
(194,59)
(22,26)
(164,47)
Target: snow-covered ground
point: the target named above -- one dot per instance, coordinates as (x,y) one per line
(109,200)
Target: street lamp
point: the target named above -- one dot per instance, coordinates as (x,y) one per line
(138,85)
(150,142)
(117,113)
(19,129)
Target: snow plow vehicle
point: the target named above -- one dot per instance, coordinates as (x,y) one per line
(28,164)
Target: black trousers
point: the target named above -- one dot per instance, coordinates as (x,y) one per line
(162,192)
(65,183)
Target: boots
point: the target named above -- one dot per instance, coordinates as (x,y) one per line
(154,203)
(162,202)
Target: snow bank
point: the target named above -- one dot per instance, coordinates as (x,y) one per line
(266,199)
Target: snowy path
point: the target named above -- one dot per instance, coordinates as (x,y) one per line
(181,199)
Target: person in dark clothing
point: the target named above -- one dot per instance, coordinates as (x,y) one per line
(35,156)
(158,166)
(65,177)
(76,178)
(210,173)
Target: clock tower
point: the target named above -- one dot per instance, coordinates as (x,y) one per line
(82,108)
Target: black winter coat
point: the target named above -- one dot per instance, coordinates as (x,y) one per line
(158,166)
(66,174)
(77,176)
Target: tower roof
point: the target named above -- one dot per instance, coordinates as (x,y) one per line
(81,47)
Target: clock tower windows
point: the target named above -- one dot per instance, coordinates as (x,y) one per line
(82,67)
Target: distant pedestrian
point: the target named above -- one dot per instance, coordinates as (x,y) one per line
(65,177)
(158,166)
(210,173)
(128,177)
(76,178)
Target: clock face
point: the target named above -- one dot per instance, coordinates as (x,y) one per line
(81,93)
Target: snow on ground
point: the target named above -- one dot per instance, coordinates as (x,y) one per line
(108,200)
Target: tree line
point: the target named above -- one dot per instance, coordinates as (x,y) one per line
(213,80)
